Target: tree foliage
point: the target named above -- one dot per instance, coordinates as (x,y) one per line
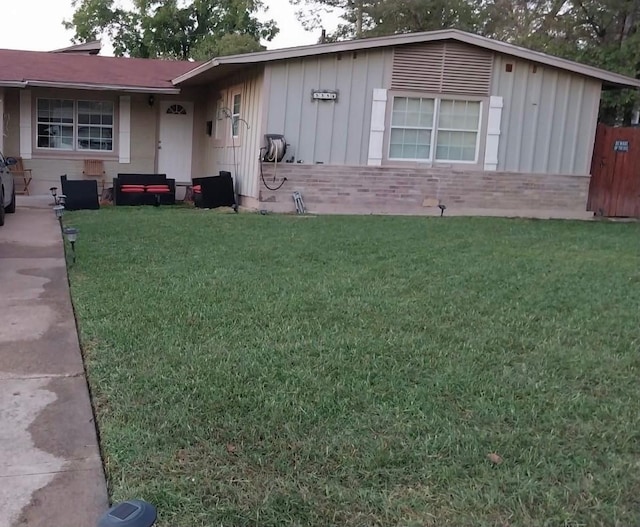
(178,29)
(602,33)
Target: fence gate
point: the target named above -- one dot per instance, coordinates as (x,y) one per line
(615,172)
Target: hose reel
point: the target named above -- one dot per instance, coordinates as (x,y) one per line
(276,148)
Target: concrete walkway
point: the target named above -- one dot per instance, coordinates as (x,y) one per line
(50,469)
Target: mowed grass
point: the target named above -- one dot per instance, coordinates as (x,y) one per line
(256,370)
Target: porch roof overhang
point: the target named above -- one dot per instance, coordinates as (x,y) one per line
(212,74)
(86,86)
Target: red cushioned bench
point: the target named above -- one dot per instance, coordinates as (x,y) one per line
(144,189)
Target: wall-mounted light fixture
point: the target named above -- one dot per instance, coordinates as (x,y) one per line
(151,100)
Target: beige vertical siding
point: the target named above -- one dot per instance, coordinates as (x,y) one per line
(548,120)
(12,122)
(240,155)
(199,132)
(325,131)
(144,123)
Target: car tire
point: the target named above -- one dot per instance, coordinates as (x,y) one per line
(2,210)
(12,206)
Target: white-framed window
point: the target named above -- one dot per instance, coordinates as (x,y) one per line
(67,124)
(235,114)
(176,109)
(458,130)
(430,128)
(411,128)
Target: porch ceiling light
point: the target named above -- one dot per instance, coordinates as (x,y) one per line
(132,513)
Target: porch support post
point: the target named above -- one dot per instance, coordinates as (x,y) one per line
(124,134)
(25,124)
(3,131)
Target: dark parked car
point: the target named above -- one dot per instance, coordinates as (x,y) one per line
(7,190)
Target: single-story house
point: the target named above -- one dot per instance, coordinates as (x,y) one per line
(396,124)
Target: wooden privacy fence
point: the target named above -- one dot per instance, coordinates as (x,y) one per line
(614,190)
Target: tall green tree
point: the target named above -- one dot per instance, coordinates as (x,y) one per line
(178,29)
(369,18)
(602,33)
(404,16)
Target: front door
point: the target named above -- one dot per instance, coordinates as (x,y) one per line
(175,143)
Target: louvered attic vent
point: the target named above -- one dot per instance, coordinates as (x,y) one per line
(443,67)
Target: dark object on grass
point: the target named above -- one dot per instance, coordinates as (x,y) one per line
(215,191)
(144,189)
(442,208)
(132,513)
(80,193)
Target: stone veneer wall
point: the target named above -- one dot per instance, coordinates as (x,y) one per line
(388,190)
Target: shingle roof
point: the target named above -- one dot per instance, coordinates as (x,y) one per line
(221,65)
(38,68)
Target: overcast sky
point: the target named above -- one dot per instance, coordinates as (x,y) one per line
(37,25)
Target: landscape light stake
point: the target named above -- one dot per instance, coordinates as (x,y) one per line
(59,210)
(72,235)
(54,193)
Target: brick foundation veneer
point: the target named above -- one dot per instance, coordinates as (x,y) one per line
(387,190)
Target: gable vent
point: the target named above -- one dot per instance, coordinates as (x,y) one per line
(443,67)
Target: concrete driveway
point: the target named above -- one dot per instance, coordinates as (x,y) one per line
(50,469)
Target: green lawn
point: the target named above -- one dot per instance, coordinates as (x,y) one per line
(265,371)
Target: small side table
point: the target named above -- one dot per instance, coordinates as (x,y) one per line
(188,191)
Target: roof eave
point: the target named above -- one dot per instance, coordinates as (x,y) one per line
(611,85)
(196,71)
(609,79)
(12,84)
(101,87)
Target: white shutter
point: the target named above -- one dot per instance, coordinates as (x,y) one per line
(25,124)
